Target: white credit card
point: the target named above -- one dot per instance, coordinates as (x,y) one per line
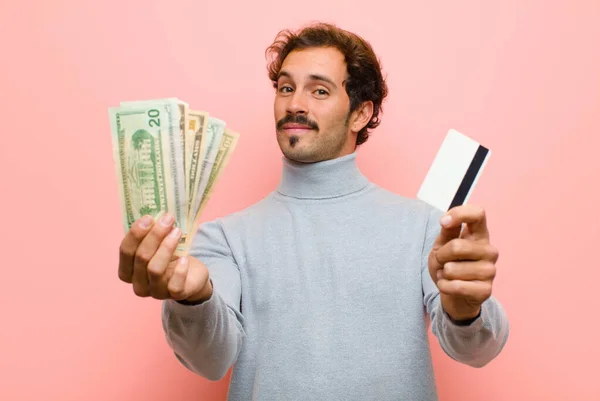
(454,171)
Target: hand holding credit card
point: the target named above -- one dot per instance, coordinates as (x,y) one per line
(462,261)
(454,171)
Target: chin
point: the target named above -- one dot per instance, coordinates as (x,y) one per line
(299,155)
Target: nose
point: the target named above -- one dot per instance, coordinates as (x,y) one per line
(297,104)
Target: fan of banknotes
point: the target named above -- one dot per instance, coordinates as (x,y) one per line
(168,158)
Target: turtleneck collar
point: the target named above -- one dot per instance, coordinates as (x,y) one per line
(321,180)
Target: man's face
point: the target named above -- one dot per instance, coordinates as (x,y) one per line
(312,107)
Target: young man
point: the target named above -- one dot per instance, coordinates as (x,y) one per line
(323,290)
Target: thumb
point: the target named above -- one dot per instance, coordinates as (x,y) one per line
(197,284)
(178,281)
(450,229)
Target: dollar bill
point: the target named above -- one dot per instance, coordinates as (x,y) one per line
(141,151)
(214,134)
(173,124)
(227,145)
(196,136)
(183,126)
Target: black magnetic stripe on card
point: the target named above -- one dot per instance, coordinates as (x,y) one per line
(469,178)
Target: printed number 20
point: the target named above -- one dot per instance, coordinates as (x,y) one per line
(154,120)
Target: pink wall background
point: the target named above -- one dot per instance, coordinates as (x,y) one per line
(523,77)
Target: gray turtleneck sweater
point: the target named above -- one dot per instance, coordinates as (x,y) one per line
(322,292)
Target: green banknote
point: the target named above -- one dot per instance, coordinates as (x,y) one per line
(195,144)
(173,125)
(141,150)
(227,145)
(214,134)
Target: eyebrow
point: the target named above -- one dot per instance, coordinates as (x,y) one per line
(312,77)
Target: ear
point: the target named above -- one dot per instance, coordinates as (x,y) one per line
(361,116)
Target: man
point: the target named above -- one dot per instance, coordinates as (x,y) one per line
(323,289)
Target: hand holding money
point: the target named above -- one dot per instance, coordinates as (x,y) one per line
(147,260)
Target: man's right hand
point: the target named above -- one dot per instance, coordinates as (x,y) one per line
(147,261)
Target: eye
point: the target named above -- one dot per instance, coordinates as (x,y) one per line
(321,92)
(285,89)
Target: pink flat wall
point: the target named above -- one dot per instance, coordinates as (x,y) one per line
(522,77)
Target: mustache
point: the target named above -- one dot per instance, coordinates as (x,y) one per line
(296,119)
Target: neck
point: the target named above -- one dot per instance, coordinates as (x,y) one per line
(321,180)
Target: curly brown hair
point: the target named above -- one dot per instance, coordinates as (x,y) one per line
(365,80)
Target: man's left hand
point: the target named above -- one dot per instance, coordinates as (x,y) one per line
(462,262)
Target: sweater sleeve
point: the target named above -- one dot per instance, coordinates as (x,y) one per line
(474,344)
(206,338)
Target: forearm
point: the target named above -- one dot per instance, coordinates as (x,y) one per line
(475,344)
(206,338)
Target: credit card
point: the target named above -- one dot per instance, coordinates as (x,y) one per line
(454,171)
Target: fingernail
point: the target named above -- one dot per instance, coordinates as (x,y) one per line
(167,220)
(446,220)
(175,232)
(183,260)
(146,221)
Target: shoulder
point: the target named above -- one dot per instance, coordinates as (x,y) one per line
(407,206)
(419,220)
(219,233)
(235,220)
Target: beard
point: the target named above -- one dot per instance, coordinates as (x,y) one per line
(313,146)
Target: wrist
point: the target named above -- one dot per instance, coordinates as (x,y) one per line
(464,319)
